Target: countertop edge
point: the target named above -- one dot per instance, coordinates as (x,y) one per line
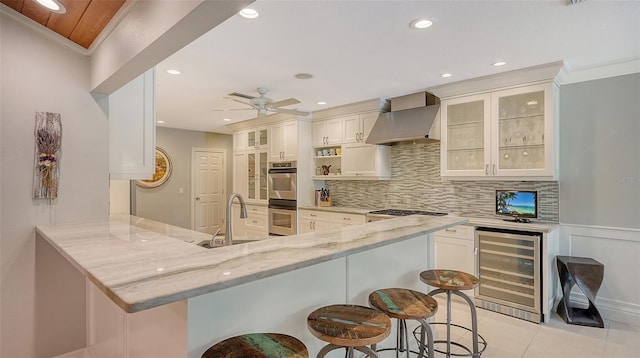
(373,236)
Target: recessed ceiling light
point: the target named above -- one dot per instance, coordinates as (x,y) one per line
(499,63)
(304,76)
(445,75)
(248,13)
(322,102)
(161,122)
(174,72)
(53,5)
(227,119)
(420,24)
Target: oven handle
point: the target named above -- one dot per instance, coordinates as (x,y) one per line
(282,207)
(282,170)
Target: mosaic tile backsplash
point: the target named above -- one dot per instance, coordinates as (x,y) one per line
(416,184)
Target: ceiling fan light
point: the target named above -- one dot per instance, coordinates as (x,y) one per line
(52,5)
(248,13)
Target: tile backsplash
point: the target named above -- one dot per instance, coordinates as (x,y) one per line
(416,184)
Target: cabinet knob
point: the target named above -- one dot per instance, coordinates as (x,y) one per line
(197,198)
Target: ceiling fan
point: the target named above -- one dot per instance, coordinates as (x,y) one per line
(265,105)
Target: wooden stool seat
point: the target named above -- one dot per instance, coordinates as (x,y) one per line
(404,304)
(449,279)
(349,325)
(258,345)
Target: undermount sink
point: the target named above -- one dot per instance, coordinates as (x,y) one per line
(207,243)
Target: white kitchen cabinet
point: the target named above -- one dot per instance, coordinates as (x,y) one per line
(357,127)
(317,220)
(250,175)
(257,138)
(240,172)
(455,249)
(346,219)
(327,132)
(132,130)
(254,226)
(508,133)
(240,141)
(283,141)
(366,160)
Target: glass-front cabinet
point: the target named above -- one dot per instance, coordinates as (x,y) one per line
(508,133)
(257,139)
(467,134)
(257,175)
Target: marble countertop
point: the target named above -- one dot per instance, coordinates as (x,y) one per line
(536,226)
(141,264)
(338,209)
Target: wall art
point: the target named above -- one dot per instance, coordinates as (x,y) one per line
(48,146)
(162,172)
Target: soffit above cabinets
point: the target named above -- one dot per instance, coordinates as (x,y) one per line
(82,23)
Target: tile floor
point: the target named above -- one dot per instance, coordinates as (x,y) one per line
(509,337)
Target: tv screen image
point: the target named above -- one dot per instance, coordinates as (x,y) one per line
(519,204)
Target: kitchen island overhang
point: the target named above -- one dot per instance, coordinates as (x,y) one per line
(143,266)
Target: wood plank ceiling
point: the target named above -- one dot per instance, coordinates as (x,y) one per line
(82,23)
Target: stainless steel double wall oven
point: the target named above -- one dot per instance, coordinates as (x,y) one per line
(282,198)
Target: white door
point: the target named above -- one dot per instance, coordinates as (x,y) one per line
(208,189)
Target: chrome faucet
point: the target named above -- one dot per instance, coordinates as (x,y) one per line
(212,243)
(243,215)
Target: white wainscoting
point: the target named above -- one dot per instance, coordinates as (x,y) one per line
(618,249)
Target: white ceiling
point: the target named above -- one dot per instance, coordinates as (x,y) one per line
(359,50)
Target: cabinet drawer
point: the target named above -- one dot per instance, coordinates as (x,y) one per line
(460,232)
(256,221)
(344,218)
(314,215)
(256,209)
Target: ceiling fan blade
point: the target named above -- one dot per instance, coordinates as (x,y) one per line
(245,103)
(241,95)
(233,109)
(283,103)
(289,111)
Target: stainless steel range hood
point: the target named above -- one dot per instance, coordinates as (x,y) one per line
(412,118)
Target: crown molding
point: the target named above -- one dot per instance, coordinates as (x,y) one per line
(621,68)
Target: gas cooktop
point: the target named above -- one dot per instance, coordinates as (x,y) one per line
(400,212)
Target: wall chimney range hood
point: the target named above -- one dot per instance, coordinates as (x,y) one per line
(413,117)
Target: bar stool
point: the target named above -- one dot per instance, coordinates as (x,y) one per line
(403,304)
(453,282)
(258,345)
(350,327)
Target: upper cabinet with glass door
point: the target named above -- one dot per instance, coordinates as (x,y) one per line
(251,139)
(509,133)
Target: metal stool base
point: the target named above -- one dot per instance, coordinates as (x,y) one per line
(402,340)
(481,341)
(349,350)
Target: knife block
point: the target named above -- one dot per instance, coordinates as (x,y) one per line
(325,202)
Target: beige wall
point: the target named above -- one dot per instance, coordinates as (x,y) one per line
(166,203)
(38,74)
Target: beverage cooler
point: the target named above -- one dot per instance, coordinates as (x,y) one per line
(509,272)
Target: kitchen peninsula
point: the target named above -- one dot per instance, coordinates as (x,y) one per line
(153,292)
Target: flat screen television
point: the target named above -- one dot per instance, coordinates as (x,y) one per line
(518,204)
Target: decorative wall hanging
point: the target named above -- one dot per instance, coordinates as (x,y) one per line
(162,173)
(48,145)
